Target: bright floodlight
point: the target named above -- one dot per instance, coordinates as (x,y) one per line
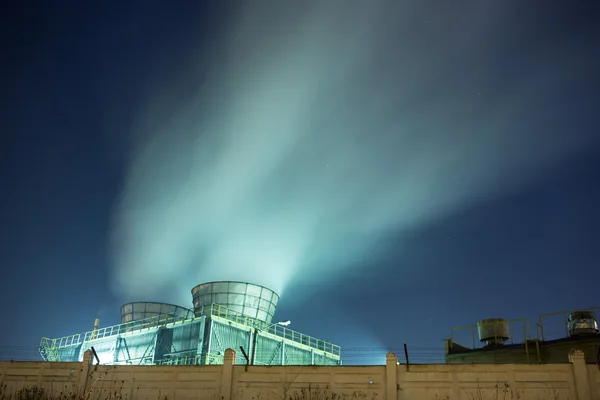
(284,323)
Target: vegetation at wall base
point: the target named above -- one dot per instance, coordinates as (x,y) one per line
(114,392)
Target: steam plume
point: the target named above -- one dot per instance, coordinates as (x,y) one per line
(321,127)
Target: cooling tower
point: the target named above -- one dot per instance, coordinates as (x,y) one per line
(248,299)
(160,311)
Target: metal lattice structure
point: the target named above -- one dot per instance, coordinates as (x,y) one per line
(202,339)
(146,310)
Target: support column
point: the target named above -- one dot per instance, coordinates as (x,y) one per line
(391,376)
(227,375)
(282,352)
(582,384)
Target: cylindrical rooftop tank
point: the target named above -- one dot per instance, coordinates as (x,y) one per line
(251,300)
(161,311)
(493,331)
(582,323)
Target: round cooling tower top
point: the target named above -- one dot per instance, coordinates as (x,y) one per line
(144,310)
(252,300)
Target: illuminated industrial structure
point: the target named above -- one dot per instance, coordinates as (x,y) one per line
(225,315)
(555,336)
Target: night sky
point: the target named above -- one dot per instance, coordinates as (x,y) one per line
(392,169)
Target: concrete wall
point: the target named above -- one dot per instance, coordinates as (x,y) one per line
(574,380)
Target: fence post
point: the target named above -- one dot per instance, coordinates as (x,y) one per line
(84,373)
(227,375)
(391,376)
(582,384)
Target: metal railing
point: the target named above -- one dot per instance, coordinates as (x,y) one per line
(526,342)
(62,342)
(275,329)
(543,333)
(306,340)
(540,335)
(50,345)
(473,330)
(128,327)
(212,358)
(190,359)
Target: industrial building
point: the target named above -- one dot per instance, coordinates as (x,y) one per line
(227,314)
(504,341)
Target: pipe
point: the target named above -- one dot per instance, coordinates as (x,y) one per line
(254,343)
(96,326)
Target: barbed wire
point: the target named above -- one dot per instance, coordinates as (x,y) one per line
(350,354)
(417,354)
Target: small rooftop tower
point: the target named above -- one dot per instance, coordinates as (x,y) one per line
(582,323)
(493,331)
(252,300)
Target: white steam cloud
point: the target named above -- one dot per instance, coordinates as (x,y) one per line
(322,127)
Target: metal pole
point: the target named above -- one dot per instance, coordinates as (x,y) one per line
(254,342)
(95,355)
(406,356)
(246,357)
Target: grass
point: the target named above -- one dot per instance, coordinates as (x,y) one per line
(315,393)
(40,393)
(507,392)
(500,392)
(36,393)
(102,388)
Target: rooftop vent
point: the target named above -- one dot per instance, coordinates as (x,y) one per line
(582,323)
(493,331)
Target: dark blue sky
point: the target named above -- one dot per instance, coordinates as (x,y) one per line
(75,77)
